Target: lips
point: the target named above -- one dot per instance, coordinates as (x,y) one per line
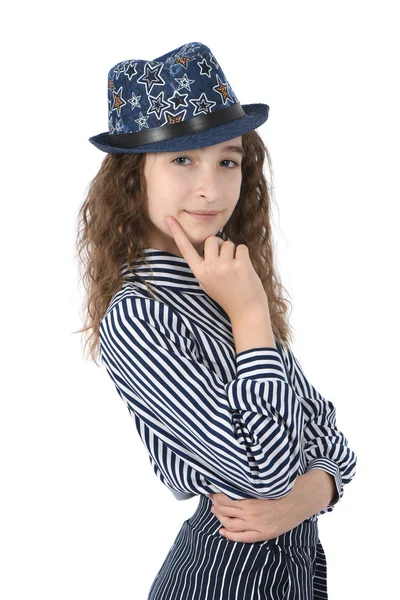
(203,212)
(202,217)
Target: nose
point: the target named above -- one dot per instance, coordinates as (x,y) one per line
(208,181)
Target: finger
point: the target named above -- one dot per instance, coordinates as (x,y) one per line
(228,249)
(248,537)
(189,253)
(235,524)
(211,250)
(229,511)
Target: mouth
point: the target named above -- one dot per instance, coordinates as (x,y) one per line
(202,216)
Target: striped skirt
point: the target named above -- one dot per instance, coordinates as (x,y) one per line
(203,565)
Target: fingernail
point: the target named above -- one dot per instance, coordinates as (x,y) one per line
(169,220)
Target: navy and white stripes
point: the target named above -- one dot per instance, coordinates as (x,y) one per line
(212,420)
(202,565)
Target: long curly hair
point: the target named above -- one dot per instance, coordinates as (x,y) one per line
(113,229)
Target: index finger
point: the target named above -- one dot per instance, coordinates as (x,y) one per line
(189,253)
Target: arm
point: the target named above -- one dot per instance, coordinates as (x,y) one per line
(313,491)
(242,437)
(325,446)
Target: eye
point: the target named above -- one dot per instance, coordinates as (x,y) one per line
(236,164)
(232,161)
(179,158)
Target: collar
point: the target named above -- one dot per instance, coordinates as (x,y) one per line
(167,269)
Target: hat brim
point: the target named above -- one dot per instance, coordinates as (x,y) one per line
(256,115)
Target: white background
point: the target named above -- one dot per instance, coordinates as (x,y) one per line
(82,514)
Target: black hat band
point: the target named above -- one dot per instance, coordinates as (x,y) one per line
(172,130)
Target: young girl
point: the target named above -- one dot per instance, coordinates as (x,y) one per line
(191,325)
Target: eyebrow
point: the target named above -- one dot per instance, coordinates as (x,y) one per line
(229,148)
(238,149)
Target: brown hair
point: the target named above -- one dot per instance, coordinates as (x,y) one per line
(115,227)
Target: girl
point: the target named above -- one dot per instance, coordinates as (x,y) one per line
(191,325)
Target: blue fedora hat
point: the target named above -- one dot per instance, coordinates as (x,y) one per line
(179,101)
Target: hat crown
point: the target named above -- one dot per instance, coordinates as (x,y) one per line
(175,87)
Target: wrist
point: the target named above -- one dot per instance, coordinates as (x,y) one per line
(314,490)
(252,329)
(252,313)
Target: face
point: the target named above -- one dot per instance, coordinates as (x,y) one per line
(192,180)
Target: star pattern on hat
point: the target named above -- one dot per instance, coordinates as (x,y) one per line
(178,99)
(205,68)
(183,60)
(157,105)
(191,47)
(151,76)
(170,118)
(222,88)
(142,121)
(120,68)
(192,69)
(134,100)
(213,60)
(184,82)
(130,69)
(183,51)
(202,104)
(118,126)
(118,101)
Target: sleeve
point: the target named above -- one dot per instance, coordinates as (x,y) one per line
(243,436)
(325,446)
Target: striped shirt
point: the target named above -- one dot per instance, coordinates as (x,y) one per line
(213,420)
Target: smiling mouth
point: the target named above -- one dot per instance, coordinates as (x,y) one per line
(202,217)
(203,212)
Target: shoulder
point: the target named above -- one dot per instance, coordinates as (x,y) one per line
(287,357)
(128,300)
(137,311)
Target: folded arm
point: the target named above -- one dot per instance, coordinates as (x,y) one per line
(242,437)
(324,445)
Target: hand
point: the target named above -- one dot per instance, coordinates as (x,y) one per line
(227,278)
(259,519)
